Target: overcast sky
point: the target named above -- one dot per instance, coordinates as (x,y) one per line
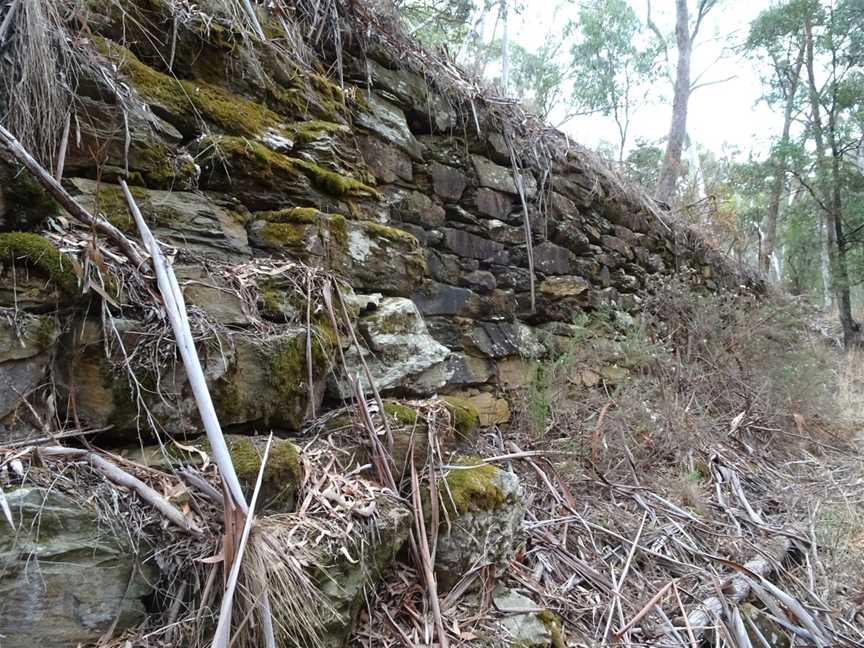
(724,114)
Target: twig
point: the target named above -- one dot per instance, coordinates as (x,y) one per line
(62,196)
(122,478)
(176,310)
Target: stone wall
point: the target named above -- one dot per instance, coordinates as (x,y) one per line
(239,153)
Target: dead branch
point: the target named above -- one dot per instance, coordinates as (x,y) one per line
(123,478)
(66,201)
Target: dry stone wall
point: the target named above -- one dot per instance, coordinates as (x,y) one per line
(238,154)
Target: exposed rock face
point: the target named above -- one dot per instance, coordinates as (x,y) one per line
(343,579)
(401,353)
(486,509)
(46,601)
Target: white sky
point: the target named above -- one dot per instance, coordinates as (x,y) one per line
(726,113)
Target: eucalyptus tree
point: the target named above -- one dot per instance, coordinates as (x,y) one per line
(686,32)
(777,35)
(613,63)
(834,54)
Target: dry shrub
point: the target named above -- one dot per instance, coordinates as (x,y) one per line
(700,367)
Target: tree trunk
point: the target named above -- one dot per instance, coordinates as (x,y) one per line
(505,49)
(769,225)
(828,173)
(678,129)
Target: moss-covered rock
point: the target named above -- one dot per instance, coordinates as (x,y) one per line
(185,103)
(39,254)
(485,509)
(24,203)
(263,178)
(88,582)
(283,473)
(191,221)
(465,417)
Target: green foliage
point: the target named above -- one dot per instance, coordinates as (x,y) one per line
(611,65)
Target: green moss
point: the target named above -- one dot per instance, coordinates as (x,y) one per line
(465,416)
(401,413)
(334,183)
(284,235)
(553,625)
(391,234)
(313,129)
(26,199)
(39,253)
(472,489)
(337,224)
(289,375)
(282,474)
(186,99)
(111,204)
(46,333)
(295,215)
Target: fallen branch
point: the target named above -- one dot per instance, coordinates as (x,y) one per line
(175,307)
(75,210)
(123,478)
(737,589)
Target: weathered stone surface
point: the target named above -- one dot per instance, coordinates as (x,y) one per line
(190,221)
(254,381)
(470,245)
(415,207)
(617,245)
(25,348)
(440,299)
(469,370)
(212,294)
(486,508)
(493,204)
(503,233)
(387,121)
(491,409)
(516,372)
(526,624)
(400,349)
(553,259)
(564,286)
(65,577)
(448,183)
(384,259)
(344,579)
(388,163)
(432,111)
(499,178)
(502,339)
(480,280)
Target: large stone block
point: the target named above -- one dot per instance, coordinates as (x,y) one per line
(66,579)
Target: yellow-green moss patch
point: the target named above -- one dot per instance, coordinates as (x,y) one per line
(39,253)
(472,488)
(463,414)
(391,233)
(401,413)
(229,112)
(312,130)
(553,624)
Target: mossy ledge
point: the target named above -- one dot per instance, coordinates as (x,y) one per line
(185,101)
(472,486)
(270,169)
(39,253)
